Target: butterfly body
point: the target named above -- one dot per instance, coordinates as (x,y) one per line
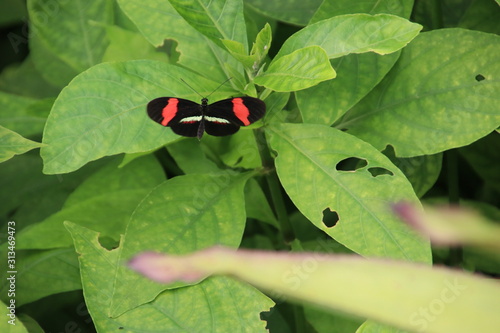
(191,119)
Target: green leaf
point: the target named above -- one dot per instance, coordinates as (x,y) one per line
(481,15)
(300,69)
(36,196)
(262,43)
(256,204)
(128,45)
(238,52)
(357,74)
(159,21)
(329,9)
(11,324)
(275,105)
(421,171)
(24,80)
(44,273)
(22,114)
(12,144)
(216,19)
(103,112)
(183,214)
(70,36)
(105,202)
(323,321)
(355,33)
(484,157)
(258,53)
(433,99)
(387,291)
(190,158)
(308,167)
(296,12)
(452,226)
(221,303)
(239,150)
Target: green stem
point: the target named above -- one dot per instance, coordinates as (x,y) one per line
(300,320)
(452,176)
(456,254)
(274,188)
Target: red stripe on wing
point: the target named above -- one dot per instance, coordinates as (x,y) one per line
(241,111)
(169,111)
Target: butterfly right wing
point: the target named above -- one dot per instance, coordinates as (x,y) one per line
(181,115)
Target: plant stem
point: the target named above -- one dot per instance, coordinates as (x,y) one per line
(452,176)
(274,188)
(455,256)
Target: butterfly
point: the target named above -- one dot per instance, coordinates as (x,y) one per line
(188,118)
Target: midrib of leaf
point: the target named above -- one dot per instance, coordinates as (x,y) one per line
(345,189)
(214,22)
(412,99)
(201,212)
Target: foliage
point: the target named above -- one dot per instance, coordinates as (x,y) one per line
(368,104)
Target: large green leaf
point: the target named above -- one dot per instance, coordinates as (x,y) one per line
(308,167)
(184,214)
(128,45)
(105,202)
(441,94)
(36,196)
(357,74)
(70,36)
(216,305)
(103,112)
(216,19)
(355,33)
(15,115)
(300,69)
(159,21)
(336,8)
(12,144)
(24,80)
(296,12)
(409,296)
(43,273)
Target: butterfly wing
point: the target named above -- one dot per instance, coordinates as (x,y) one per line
(181,115)
(225,117)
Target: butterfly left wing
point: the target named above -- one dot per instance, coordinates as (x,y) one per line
(181,115)
(225,117)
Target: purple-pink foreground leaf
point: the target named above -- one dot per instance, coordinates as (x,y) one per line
(388,291)
(451,225)
(164,269)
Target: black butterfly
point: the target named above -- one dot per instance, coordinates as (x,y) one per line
(221,118)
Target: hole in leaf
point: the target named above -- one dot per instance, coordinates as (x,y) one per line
(170,48)
(240,159)
(330,217)
(480,77)
(108,243)
(351,164)
(376,171)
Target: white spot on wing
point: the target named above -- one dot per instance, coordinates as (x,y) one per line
(192,119)
(217,120)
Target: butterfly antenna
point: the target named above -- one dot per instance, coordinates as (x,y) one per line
(220,85)
(187,84)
